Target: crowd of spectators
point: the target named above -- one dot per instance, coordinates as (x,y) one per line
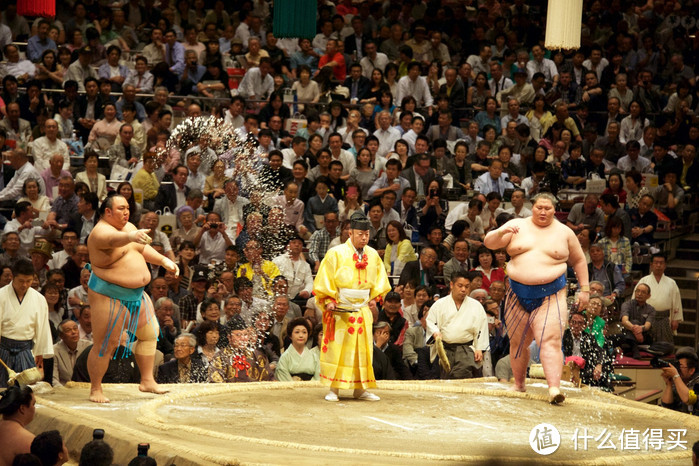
(427,116)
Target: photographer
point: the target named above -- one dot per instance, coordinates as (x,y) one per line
(679,383)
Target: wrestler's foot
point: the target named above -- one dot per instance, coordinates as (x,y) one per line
(518,388)
(332,396)
(97,396)
(151,387)
(364,395)
(555,396)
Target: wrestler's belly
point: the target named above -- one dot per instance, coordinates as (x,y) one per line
(535,268)
(130,271)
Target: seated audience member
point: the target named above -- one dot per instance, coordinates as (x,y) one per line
(578,343)
(66,351)
(605,272)
(226,367)
(421,271)
(385,354)
(399,250)
(669,197)
(298,362)
(50,449)
(17,409)
(186,367)
(165,313)
(586,215)
(259,271)
(678,383)
(637,317)
(499,341)
(296,270)
(391,313)
(460,260)
(643,221)
(24,170)
(96,453)
(415,338)
(122,369)
(488,268)
(321,238)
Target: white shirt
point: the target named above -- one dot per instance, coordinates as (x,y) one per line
(417,89)
(26,236)
(502,84)
(664,295)
(28,320)
(641,164)
(347,160)
(467,323)
(13,189)
(212,248)
(368,64)
(290,157)
(59,259)
(387,139)
(545,66)
(297,272)
(253,84)
(523,212)
(598,69)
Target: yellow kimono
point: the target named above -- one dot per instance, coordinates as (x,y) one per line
(347,347)
(269,272)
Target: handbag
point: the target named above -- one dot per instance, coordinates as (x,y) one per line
(167,221)
(295,123)
(120,173)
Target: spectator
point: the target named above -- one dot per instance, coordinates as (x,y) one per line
(96,453)
(298,362)
(50,448)
(21,70)
(677,392)
(146,180)
(141,79)
(637,318)
(17,406)
(173,52)
(605,272)
(581,344)
(399,250)
(212,239)
(18,129)
(321,238)
(65,205)
(416,86)
(258,83)
(96,181)
(66,351)
(81,69)
(106,128)
(586,215)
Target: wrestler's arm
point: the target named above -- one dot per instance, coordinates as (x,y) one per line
(576,259)
(154,257)
(501,237)
(110,238)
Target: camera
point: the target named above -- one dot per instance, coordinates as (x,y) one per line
(433,193)
(213,225)
(143,449)
(98,434)
(658,363)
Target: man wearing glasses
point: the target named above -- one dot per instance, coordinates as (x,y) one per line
(679,392)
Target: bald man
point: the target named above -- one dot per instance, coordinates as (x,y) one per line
(48,145)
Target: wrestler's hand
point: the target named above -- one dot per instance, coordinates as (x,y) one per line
(583,299)
(140,236)
(170,266)
(514,229)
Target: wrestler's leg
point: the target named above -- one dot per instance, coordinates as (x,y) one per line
(144,351)
(547,326)
(516,321)
(97,365)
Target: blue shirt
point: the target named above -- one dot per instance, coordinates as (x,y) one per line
(35,47)
(300,58)
(140,110)
(175,59)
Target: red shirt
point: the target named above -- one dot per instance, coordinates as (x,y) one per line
(340,70)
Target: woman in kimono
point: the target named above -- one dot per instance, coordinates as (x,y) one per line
(298,362)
